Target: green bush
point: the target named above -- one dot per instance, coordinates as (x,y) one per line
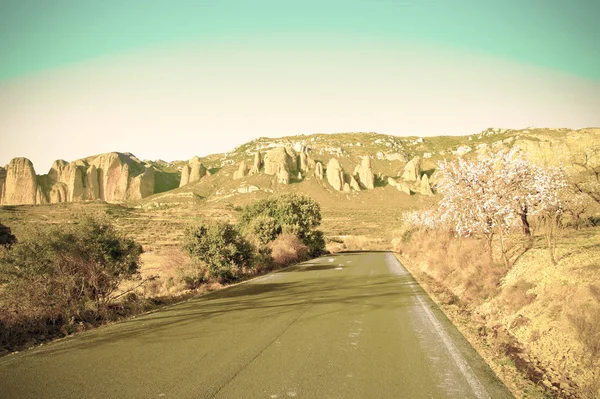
(221,246)
(262,230)
(6,237)
(294,214)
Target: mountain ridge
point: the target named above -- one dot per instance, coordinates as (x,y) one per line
(363,161)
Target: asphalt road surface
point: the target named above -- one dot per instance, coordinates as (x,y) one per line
(352,325)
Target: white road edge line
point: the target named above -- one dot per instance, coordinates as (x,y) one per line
(462,365)
(476,386)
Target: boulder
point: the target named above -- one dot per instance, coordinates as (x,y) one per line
(20,184)
(185,176)
(354,184)
(197,170)
(319,170)
(335,174)
(346,188)
(241,172)
(280,157)
(424,187)
(283,176)
(306,162)
(255,169)
(412,170)
(391,181)
(303,162)
(364,173)
(402,186)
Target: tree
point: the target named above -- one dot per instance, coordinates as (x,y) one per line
(292,213)
(6,237)
(488,196)
(221,246)
(588,180)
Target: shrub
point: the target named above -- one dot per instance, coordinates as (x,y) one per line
(293,214)
(6,237)
(287,249)
(262,230)
(59,275)
(221,246)
(193,275)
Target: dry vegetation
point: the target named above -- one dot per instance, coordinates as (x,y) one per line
(539,319)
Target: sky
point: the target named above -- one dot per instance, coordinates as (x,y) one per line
(173,79)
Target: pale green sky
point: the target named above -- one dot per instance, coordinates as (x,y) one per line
(148,76)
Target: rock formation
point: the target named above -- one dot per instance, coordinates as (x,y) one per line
(319,170)
(303,161)
(335,174)
(192,172)
(354,184)
(412,170)
(197,170)
(241,172)
(402,186)
(364,173)
(391,181)
(255,169)
(424,187)
(283,176)
(346,188)
(280,157)
(19,185)
(306,162)
(109,177)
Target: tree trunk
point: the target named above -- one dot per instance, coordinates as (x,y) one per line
(526,227)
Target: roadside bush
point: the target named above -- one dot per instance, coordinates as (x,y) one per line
(292,213)
(287,249)
(261,231)
(193,275)
(221,247)
(57,276)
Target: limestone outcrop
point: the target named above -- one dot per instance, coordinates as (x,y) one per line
(197,170)
(335,174)
(283,176)
(185,175)
(354,184)
(412,170)
(255,169)
(319,170)
(403,187)
(109,177)
(280,157)
(192,172)
(364,173)
(19,184)
(241,172)
(306,162)
(424,186)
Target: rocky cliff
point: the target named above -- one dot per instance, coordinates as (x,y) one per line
(108,177)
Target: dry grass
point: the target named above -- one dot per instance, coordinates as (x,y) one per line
(287,249)
(463,267)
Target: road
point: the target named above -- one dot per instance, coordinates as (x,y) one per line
(351,325)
